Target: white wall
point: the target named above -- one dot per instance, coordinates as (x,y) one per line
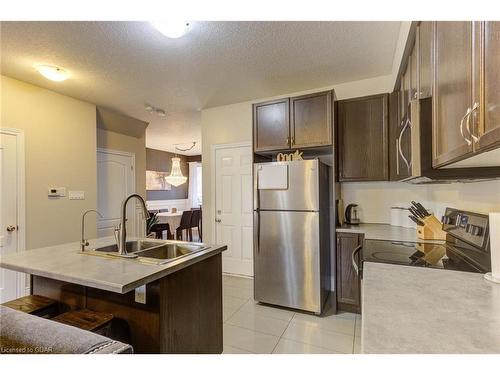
(60,148)
(376,198)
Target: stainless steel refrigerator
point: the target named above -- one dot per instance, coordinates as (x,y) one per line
(292,234)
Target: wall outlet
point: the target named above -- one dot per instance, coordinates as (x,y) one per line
(76,195)
(57,192)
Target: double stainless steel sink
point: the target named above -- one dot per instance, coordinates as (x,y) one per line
(154,252)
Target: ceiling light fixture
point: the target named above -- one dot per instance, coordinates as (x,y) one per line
(176,177)
(54,73)
(161,113)
(172,29)
(150,109)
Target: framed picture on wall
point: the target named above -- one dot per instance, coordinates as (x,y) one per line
(156,181)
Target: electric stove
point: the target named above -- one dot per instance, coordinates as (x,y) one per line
(466,247)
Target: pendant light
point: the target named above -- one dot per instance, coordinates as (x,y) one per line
(176,178)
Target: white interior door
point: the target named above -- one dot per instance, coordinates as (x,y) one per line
(233,208)
(115,180)
(11,283)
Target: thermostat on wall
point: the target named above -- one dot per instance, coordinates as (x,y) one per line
(57,192)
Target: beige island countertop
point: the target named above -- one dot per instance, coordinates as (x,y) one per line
(66,263)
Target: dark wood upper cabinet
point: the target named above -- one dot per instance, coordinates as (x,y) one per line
(413,94)
(291,123)
(425,64)
(453,91)
(311,120)
(394,119)
(457,64)
(363,138)
(489,125)
(271,130)
(348,282)
(405,88)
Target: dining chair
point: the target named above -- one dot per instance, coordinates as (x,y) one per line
(195,222)
(185,224)
(158,229)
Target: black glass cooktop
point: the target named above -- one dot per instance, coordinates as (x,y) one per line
(417,254)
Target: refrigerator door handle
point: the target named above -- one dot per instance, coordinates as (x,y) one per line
(353,259)
(256,230)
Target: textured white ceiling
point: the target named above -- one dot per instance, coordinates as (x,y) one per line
(123,65)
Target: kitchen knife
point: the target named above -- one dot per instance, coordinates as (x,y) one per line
(421,208)
(416,213)
(417,209)
(416,221)
(424,210)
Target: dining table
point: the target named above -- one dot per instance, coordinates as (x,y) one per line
(173,219)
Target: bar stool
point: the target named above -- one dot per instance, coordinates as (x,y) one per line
(86,319)
(35,305)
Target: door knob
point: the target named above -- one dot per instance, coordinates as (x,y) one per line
(218,220)
(11,228)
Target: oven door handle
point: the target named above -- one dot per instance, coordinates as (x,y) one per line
(353,258)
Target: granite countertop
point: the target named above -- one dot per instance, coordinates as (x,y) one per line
(381,232)
(422,310)
(66,263)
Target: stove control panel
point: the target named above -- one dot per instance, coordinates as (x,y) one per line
(467,226)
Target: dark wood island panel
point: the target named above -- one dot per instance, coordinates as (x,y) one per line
(182,313)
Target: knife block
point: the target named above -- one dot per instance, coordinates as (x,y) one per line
(431,230)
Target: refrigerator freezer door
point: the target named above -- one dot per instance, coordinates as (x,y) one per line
(302,193)
(286,259)
(273,177)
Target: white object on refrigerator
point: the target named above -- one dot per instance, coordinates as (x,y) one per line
(273,177)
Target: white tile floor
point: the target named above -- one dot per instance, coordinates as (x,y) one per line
(253,328)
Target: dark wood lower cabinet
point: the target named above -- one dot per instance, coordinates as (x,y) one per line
(182,313)
(348,282)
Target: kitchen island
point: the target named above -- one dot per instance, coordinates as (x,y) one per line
(422,310)
(170,308)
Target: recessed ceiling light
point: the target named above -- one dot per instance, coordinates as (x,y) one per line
(161,112)
(149,108)
(54,73)
(172,29)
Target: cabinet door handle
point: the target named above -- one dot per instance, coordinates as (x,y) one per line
(467,114)
(287,140)
(293,141)
(400,148)
(353,258)
(476,106)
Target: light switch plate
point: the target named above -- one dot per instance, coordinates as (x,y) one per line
(140,294)
(76,195)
